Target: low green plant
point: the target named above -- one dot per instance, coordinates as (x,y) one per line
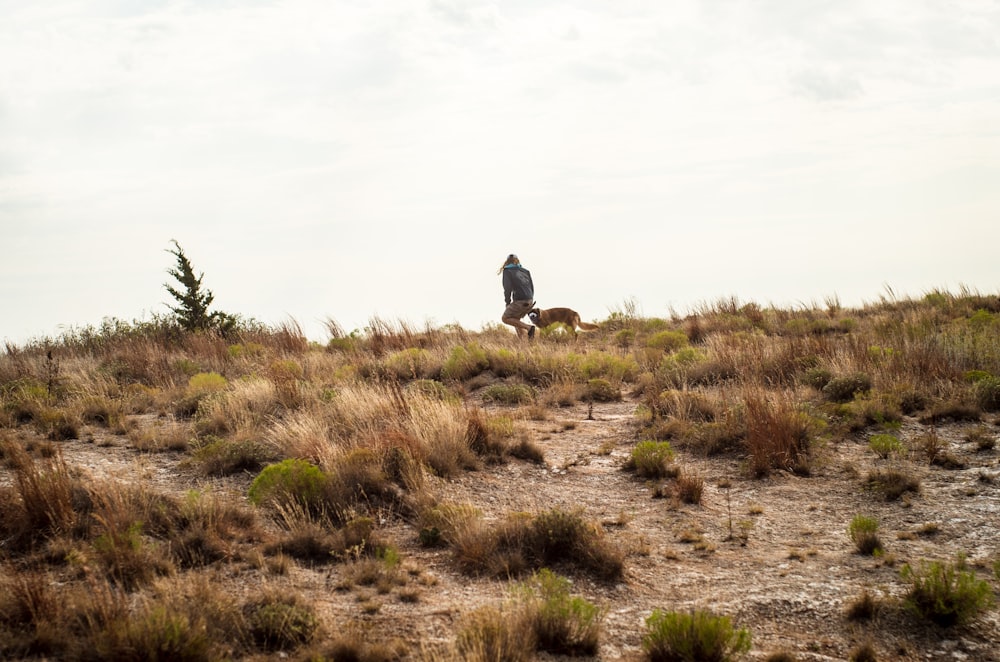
(290,481)
(204,383)
(465,362)
(652,459)
(885,445)
(601,390)
(864,533)
(693,636)
(411,363)
(508,394)
(945,593)
(563,624)
(669,341)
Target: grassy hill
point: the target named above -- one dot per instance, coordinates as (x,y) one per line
(441,493)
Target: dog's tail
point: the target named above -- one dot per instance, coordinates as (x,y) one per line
(587,326)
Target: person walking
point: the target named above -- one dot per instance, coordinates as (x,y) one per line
(518,294)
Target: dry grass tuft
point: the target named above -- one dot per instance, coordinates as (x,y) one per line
(777,436)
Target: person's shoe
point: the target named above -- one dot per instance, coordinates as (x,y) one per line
(531,333)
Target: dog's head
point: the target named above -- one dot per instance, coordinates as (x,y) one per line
(533,316)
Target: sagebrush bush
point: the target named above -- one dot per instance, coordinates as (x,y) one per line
(693,636)
(509,394)
(290,481)
(199,386)
(465,362)
(667,340)
(945,593)
(601,390)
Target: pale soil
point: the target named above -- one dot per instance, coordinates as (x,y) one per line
(789,583)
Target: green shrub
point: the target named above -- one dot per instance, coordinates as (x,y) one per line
(987,392)
(694,636)
(290,481)
(601,390)
(885,445)
(601,364)
(652,459)
(669,341)
(981,319)
(843,389)
(204,383)
(509,394)
(945,593)
(465,362)
(563,624)
(864,533)
(411,363)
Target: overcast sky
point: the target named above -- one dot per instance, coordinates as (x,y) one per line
(348,159)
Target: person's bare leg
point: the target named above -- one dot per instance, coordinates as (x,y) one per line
(518,325)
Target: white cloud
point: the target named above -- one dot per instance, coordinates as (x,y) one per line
(345,159)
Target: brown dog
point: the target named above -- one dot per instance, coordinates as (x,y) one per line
(542,317)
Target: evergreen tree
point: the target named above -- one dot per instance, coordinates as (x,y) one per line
(192,301)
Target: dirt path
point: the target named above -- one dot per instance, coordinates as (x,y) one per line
(788,579)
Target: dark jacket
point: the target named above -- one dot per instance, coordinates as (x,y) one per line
(517,282)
